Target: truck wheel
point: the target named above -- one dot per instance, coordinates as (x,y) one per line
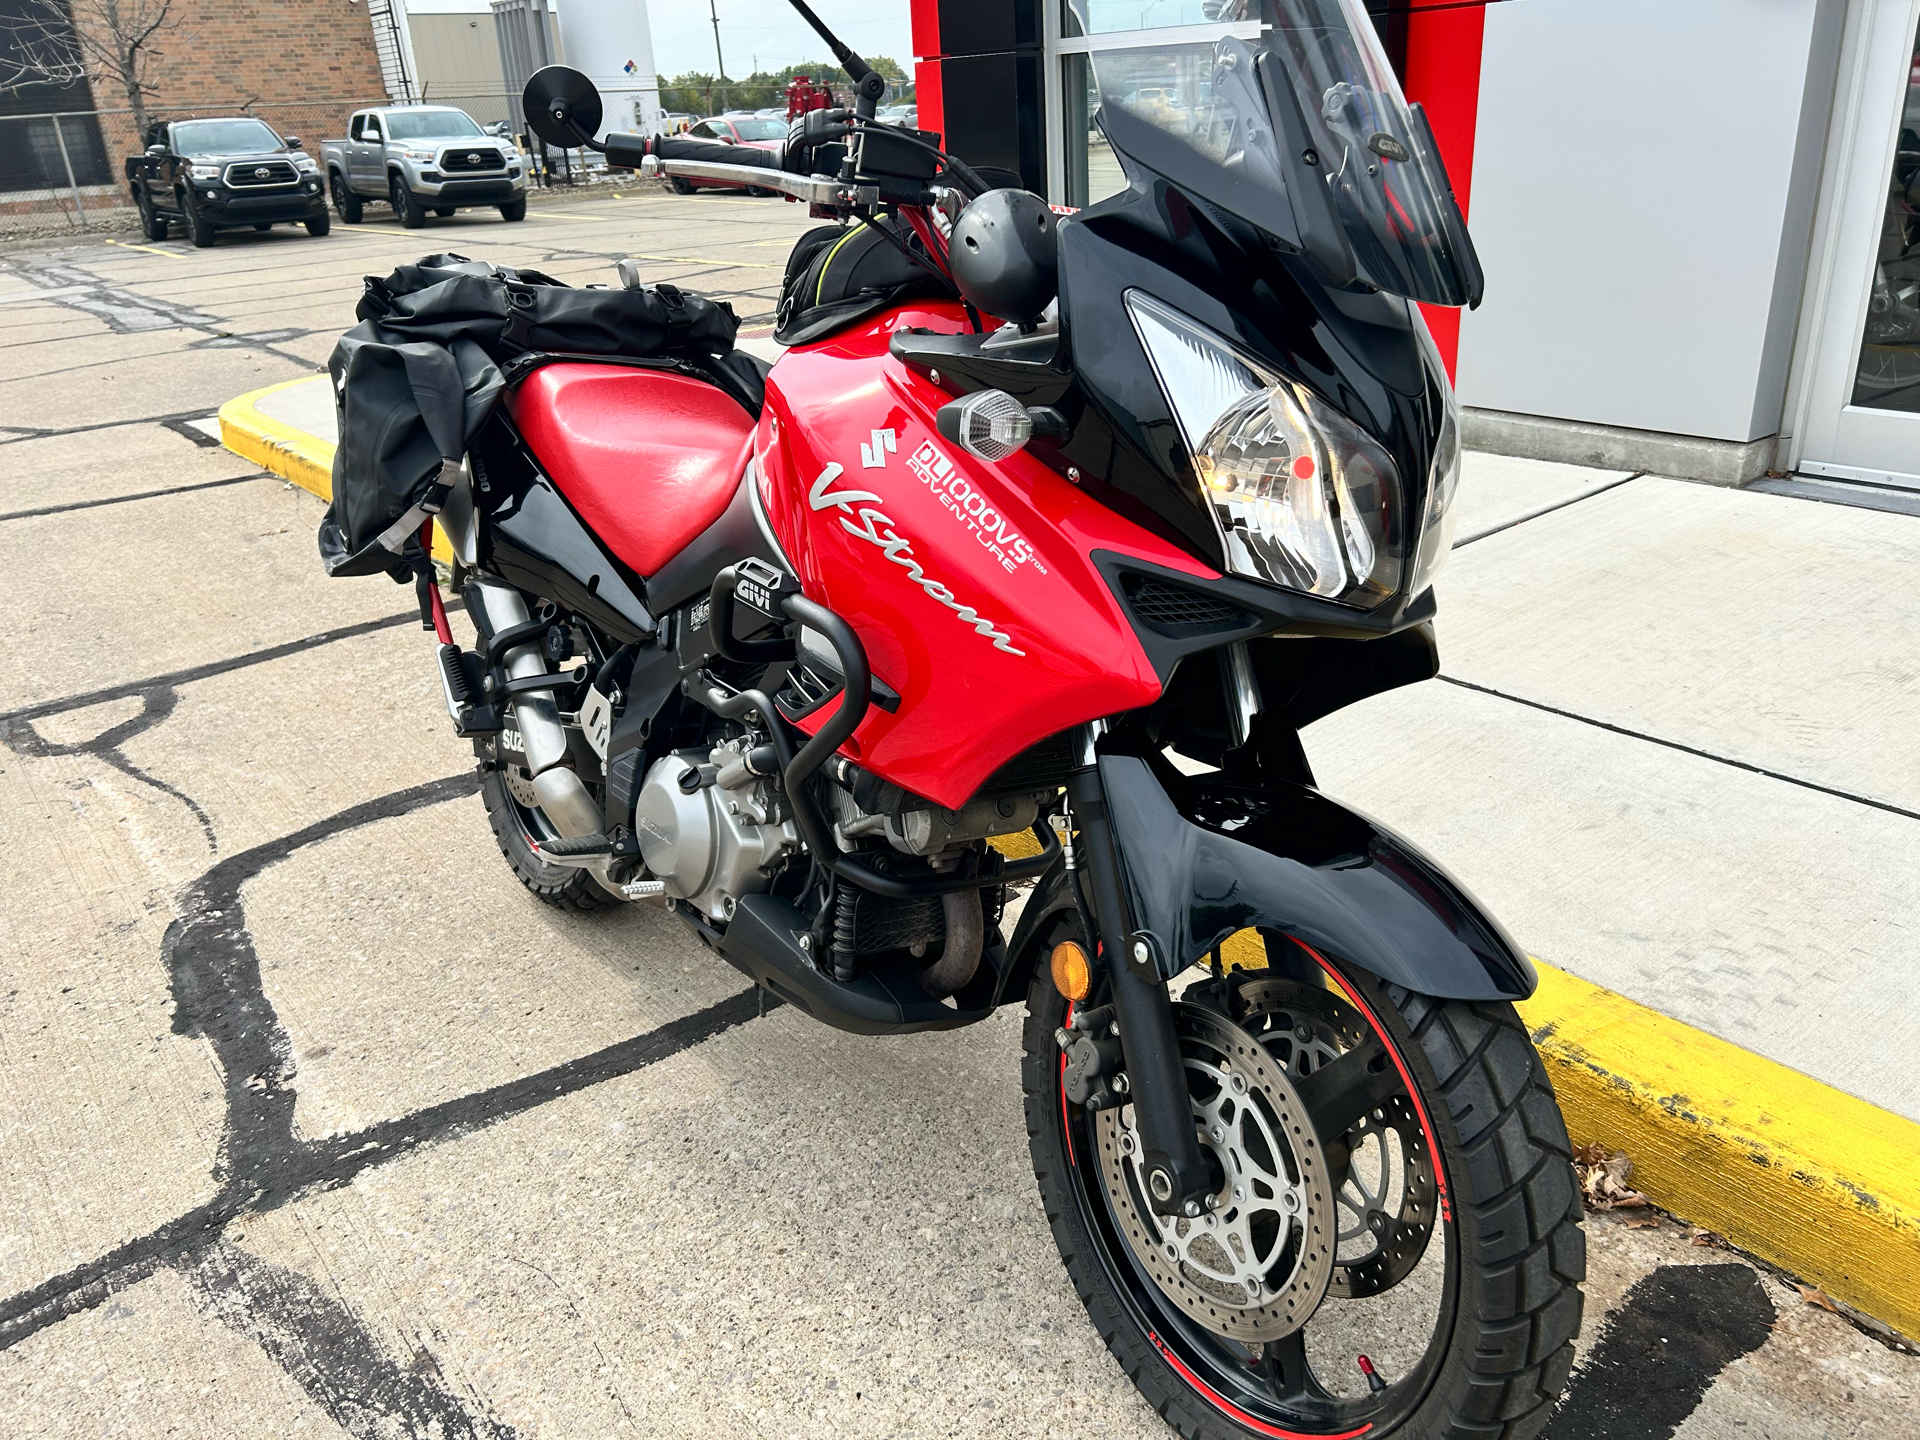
(152,225)
(443,211)
(320,224)
(514,209)
(344,200)
(412,217)
(198,228)
(264,228)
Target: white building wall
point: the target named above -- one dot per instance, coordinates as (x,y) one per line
(1643,182)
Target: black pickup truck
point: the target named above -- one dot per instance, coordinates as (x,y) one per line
(214,175)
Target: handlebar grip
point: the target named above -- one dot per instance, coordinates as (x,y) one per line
(672,147)
(626,151)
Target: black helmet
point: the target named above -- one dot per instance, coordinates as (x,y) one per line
(1003,255)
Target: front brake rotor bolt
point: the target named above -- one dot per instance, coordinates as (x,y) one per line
(1303,1033)
(1173,1252)
(1191,1209)
(1239,1084)
(1219,1135)
(1290,1202)
(1253,1288)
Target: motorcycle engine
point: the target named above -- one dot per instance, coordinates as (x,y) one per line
(711,828)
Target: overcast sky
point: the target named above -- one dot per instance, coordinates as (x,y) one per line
(766,34)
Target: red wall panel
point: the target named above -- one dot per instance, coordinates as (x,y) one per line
(1443,74)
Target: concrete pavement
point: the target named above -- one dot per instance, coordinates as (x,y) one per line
(313,1123)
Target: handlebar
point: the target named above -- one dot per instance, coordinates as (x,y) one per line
(627,151)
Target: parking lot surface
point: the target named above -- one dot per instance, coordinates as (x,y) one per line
(313,1122)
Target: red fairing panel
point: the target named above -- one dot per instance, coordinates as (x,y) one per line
(969,583)
(649,459)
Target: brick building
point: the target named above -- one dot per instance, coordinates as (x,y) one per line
(301,65)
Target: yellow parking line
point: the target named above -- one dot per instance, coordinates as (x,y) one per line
(170,254)
(709,260)
(361,230)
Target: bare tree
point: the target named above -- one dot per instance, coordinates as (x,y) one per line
(60,42)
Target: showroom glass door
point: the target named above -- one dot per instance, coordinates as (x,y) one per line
(1156,53)
(1861,417)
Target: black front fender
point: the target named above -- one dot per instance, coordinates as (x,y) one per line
(1203,858)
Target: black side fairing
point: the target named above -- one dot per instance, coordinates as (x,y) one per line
(1204,858)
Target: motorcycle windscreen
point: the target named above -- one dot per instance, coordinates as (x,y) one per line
(1296,124)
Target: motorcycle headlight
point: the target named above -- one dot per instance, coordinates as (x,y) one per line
(1304,498)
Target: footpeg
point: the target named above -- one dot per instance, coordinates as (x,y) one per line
(577,845)
(465,693)
(644,889)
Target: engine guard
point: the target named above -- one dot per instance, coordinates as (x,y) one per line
(1203,858)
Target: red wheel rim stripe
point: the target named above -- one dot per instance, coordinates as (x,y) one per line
(1222,1403)
(1406,1078)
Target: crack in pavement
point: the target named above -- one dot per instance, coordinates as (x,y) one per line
(126,313)
(262,1165)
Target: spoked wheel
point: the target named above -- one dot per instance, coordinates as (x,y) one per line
(518,825)
(1395,1248)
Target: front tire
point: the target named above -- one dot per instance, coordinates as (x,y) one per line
(405,204)
(198,229)
(152,224)
(682,185)
(514,209)
(1508,1309)
(344,200)
(560,886)
(319,225)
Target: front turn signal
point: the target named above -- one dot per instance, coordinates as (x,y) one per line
(1072,975)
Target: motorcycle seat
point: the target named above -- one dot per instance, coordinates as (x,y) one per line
(648,458)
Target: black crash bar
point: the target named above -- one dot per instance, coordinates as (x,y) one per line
(797,769)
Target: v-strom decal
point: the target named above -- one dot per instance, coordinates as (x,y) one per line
(897,549)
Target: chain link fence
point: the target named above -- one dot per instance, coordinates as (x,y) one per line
(65,171)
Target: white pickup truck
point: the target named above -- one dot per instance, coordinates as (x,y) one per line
(421,159)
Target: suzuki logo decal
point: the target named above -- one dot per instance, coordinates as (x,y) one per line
(874,456)
(896,548)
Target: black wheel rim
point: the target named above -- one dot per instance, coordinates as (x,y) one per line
(1279,1393)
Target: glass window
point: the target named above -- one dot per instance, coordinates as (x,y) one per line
(223,137)
(1888,375)
(431,125)
(1108,17)
(703,131)
(1092,170)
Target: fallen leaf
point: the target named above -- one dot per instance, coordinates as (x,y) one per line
(1602,1176)
(1650,1224)
(1814,1295)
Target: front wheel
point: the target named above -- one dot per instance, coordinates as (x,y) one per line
(344,200)
(514,209)
(681,185)
(152,224)
(1415,1275)
(405,204)
(199,230)
(319,225)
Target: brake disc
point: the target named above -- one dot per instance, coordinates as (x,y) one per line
(1387,1199)
(1256,1266)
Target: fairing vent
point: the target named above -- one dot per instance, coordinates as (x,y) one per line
(1175,610)
(1040,766)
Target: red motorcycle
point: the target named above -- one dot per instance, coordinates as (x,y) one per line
(961,661)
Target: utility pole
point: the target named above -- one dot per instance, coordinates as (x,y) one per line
(718,59)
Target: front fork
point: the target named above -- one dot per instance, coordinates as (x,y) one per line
(1181,1177)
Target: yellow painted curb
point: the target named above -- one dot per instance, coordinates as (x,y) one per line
(297,455)
(288,451)
(1807,1177)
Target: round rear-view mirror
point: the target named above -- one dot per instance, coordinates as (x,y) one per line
(562,107)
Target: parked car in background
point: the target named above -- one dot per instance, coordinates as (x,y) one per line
(762,133)
(421,159)
(903,115)
(222,174)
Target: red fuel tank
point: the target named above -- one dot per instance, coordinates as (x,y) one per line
(969,583)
